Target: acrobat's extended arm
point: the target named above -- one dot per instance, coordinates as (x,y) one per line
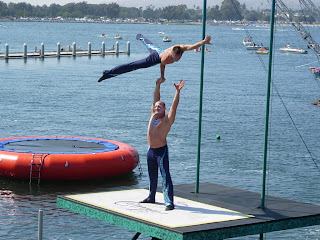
(188,47)
(174,53)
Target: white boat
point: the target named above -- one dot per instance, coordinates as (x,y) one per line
(117,36)
(160,32)
(166,39)
(247,41)
(288,49)
(255,47)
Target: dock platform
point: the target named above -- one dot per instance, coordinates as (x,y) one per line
(61,54)
(217,212)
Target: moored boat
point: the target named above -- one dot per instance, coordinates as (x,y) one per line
(255,47)
(117,36)
(247,40)
(288,49)
(262,51)
(65,158)
(316,71)
(166,39)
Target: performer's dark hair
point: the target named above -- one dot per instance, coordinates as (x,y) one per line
(177,50)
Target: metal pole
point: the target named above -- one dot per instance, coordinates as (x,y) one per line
(263,191)
(40,224)
(201,93)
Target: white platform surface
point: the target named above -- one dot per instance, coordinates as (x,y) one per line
(186,212)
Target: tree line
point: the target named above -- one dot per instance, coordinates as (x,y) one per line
(229,10)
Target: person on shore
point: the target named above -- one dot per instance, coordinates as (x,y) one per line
(158,156)
(157,55)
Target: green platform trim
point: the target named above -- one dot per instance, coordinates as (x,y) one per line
(223,232)
(280,214)
(118,220)
(253,229)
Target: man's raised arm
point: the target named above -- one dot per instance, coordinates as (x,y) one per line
(156,94)
(175,102)
(189,47)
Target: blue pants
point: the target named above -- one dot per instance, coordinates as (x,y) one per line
(150,61)
(159,158)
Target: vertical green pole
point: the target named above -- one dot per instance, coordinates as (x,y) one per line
(201,92)
(263,191)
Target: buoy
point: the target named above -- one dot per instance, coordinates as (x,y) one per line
(218,137)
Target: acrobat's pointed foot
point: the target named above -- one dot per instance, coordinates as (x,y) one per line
(101,79)
(104,76)
(139,36)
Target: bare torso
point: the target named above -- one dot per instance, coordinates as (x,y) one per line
(157,135)
(166,56)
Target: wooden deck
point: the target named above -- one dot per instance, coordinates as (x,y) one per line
(217,212)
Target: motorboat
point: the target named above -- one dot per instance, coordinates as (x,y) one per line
(161,32)
(255,47)
(262,51)
(247,41)
(103,35)
(166,39)
(117,36)
(288,49)
(316,71)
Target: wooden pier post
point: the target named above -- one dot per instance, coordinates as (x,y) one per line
(128,47)
(89,48)
(117,47)
(58,50)
(103,49)
(42,51)
(6,52)
(25,50)
(74,49)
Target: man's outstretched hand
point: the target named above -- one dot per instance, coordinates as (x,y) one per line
(179,85)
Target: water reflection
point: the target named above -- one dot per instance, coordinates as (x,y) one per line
(9,187)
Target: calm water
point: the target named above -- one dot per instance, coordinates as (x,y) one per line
(62,97)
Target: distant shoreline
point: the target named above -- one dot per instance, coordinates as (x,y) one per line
(212,23)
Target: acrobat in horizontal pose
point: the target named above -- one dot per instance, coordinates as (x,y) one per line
(157,55)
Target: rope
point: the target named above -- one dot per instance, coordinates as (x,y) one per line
(278,94)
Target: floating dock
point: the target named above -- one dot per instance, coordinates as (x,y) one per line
(217,212)
(63,51)
(61,54)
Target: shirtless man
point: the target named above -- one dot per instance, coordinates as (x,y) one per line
(157,55)
(157,156)
(174,53)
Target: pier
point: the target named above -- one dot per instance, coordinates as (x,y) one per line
(217,212)
(63,51)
